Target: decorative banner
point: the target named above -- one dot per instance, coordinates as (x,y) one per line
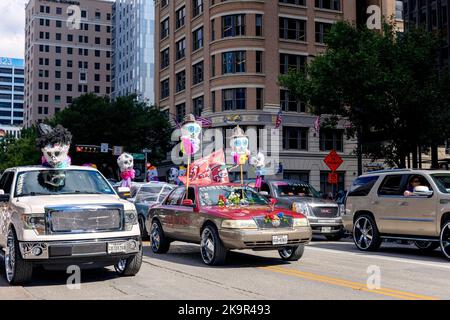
(207,170)
(333,178)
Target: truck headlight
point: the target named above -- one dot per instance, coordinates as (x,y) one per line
(300,222)
(34,222)
(130,219)
(301,207)
(239,224)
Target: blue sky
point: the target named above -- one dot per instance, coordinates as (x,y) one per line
(12,25)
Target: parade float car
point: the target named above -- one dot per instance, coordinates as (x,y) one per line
(324,215)
(222,217)
(60,217)
(400,205)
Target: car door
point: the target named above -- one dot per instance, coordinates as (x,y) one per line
(191,218)
(417,214)
(168,212)
(388,203)
(6,182)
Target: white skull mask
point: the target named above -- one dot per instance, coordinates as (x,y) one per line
(191,130)
(125,162)
(173,174)
(239,145)
(56,154)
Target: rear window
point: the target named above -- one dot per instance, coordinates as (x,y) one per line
(362,186)
(391,186)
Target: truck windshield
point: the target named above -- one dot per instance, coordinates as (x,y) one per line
(442,181)
(58,182)
(294,189)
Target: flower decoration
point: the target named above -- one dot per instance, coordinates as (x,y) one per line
(282,217)
(222,201)
(234,198)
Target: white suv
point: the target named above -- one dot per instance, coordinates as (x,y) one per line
(62,217)
(411,205)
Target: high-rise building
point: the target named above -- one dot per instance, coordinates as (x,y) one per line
(67,54)
(11,91)
(134,55)
(222,60)
(433,16)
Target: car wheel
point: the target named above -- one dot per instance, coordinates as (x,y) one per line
(130,266)
(158,241)
(17,270)
(365,234)
(426,246)
(291,253)
(444,239)
(144,234)
(211,247)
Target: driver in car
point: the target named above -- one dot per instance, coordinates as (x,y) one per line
(414,181)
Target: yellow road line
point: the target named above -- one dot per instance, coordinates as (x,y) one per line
(348,284)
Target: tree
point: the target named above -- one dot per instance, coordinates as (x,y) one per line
(19,152)
(383,83)
(93,120)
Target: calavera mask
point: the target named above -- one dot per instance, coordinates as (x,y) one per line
(125,162)
(239,145)
(173,174)
(191,130)
(56,155)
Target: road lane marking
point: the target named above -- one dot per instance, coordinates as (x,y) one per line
(348,284)
(376,256)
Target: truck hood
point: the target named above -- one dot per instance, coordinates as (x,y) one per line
(247,212)
(37,204)
(309,200)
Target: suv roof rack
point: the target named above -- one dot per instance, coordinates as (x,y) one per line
(387,170)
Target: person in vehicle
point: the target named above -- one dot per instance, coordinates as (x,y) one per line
(414,181)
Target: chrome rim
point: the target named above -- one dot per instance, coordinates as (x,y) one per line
(155,237)
(445,240)
(363,233)
(285,252)
(207,245)
(10,257)
(121,265)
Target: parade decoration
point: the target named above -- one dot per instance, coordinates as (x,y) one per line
(54,144)
(275,219)
(172,175)
(239,144)
(259,163)
(152,173)
(127,173)
(207,170)
(190,140)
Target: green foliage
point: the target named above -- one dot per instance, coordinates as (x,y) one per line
(387,84)
(19,152)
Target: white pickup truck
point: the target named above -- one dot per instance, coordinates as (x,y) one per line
(62,217)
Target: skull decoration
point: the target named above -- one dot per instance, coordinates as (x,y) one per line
(239,144)
(152,173)
(126,164)
(258,162)
(172,175)
(190,135)
(54,144)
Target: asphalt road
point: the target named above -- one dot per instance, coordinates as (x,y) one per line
(328,270)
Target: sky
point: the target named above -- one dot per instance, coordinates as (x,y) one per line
(12,28)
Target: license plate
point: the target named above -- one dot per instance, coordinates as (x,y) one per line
(325,221)
(279,239)
(326,229)
(117,247)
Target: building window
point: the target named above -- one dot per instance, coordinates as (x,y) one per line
(329,4)
(295,2)
(322,29)
(213,101)
(331,140)
(292,29)
(165,58)
(197,37)
(289,103)
(234,99)
(198,106)
(180,17)
(164,89)
(181,49)
(213,29)
(233,25)
(213,66)
(293,62)
(259,61)
(332,189)
(165,28)
(164,3)
(259,25)
(259,98)
(180,80)
(197,73)
(197,7)
(180,110)
(233,62)
(295,138)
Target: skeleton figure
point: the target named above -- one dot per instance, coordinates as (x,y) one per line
(172,175)
(239,145)
(190,135)
(259,163)
(54,144)
(126,164)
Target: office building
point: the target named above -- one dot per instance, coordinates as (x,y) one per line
(11,92)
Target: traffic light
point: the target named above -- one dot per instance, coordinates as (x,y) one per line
(88,149)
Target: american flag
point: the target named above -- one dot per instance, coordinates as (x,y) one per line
(317,124)
(206,123)
(279,118)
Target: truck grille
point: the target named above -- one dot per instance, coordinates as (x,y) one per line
(325,212)
(283,224)
(85,220)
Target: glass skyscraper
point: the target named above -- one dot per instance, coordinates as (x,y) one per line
(11,91)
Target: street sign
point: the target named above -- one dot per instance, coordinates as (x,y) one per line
(333,178)
(138,156)
(333,160)
(117,150)
(104,148)
(146,150)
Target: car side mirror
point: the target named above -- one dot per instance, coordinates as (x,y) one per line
(187,203)
(422,191)
(3,197)
(124,192)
